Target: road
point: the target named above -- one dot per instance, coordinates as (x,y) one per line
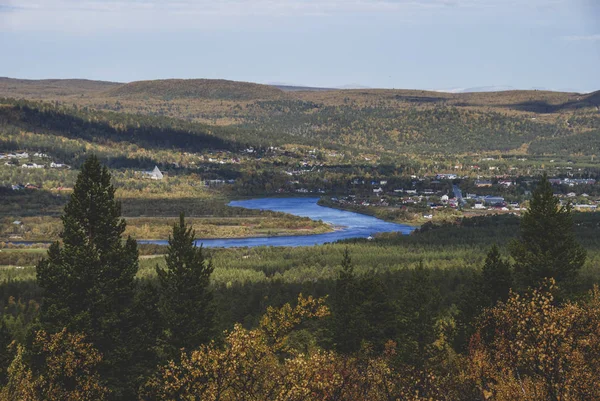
(458,194)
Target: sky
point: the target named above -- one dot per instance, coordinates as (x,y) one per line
(409,44)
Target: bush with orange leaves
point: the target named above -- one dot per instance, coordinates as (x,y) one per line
(529,348)
(259,365)
(68,371)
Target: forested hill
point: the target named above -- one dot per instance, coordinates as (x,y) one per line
(365,120)
(197,88)
(49,88)
(120,139)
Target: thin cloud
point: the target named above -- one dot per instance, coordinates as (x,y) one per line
(143,15)
(583,38)
(257,5)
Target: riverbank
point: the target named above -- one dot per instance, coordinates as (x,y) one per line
(267,224)
(392,215)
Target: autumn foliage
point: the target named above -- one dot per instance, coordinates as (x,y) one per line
(530,348)
(67,370)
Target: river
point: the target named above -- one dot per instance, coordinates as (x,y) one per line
(347,224)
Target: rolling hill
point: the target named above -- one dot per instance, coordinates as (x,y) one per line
(373,120)
(197,89)
(52,88)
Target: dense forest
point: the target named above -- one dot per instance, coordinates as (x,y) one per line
(94,321)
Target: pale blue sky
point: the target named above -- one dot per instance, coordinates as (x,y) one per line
(424,44)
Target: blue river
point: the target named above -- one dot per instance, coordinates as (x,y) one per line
(346,224)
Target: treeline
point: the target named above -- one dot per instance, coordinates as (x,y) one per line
(586,143)
(438,129)
(59,130)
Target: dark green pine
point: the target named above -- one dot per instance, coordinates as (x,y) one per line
(88,280)
(187,307)
(496,276)
(346,321)
(547,246)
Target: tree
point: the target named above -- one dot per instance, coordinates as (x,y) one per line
(186,306)
(547,245)
(345,320)
(70,370)
(496,276)
(5,354)
(88,281)
(418,309)
(530,348)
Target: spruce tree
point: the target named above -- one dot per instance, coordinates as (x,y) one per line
(547,245)
(88,279)
(362,310)
(186,305)
(418,310)
(496,276)
(345,314)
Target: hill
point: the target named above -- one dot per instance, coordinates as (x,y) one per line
(50,88)
(367,120)
(197,89)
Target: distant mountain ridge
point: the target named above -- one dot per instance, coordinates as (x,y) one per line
(217,89)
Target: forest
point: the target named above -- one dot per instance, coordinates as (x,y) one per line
(443,314)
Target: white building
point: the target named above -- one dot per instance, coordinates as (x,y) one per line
(155,174)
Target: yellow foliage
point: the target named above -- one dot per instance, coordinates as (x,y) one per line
(532,349)
(69,371)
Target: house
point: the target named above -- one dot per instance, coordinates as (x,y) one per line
(155,174)
(483,183)
(32,165)
(494,200)
(58,165)
(585,207)
(31,186)
(378,190)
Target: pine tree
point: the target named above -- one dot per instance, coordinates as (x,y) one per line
(418,309)
(88,280)
(547,245)
(496,276)
(186,306)
(346,322)
(378,314)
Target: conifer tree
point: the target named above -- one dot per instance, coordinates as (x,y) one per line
(346,330)
(186,306)
(362,310)
(88,280)
(547,245)
(418,309)
(496,276)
